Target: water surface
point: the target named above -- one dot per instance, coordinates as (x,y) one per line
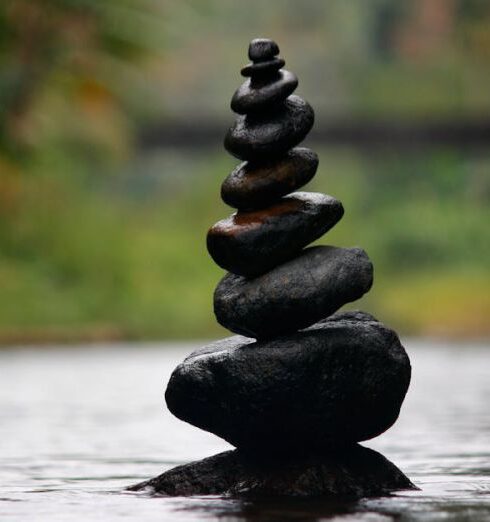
(79,424)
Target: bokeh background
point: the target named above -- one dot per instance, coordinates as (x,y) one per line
(112,115)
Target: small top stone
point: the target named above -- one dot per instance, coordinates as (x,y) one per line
(262,49)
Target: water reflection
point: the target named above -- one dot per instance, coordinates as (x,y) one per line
(266,510)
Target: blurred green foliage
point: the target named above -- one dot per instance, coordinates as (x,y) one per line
(101,239)
(95,256)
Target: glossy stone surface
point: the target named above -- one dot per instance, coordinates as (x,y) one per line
(351,474)
(255,186)
(261,49)
(272,133)
(339,382)
(252,96)
(263,68)
(250,243)
(294,295)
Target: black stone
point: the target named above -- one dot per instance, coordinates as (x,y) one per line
(270,134)
(357,473)
(293,295)
(263,68)
(250,243)
(261,49)
(252,97)
(339,382)
(252,185)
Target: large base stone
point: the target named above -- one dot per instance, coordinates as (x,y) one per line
(339,382)
(353,473)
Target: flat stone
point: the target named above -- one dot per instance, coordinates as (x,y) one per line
(339,382)
(250,96)
(270,134)
(263,68)
(295,294)
(261,49)
(252,185)
(355,473)
(250,243)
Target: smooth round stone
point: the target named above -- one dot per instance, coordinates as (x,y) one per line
(250,96)
(261,49)
(263,68)
(339,382)
(294,295)
(270,134)
(353,473)
(251,243)
(253,185)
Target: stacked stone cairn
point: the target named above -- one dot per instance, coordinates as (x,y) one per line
(298,388)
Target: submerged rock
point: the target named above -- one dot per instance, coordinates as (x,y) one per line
(341,381)
(293,295)
(352,474)
(250,243)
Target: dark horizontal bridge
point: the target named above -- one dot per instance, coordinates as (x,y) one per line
(372,133)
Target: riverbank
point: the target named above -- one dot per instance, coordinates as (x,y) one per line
(442,306)
(90,255)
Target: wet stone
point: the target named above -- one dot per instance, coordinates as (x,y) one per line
(295,294)
(355,473)
(272,133)
(339,382)
(253,96)
(250,243)
(263,68)
(253,185)
(261,49)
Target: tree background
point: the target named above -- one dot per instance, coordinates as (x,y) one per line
(102,229)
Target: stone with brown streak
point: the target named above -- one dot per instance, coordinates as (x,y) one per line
(250,243)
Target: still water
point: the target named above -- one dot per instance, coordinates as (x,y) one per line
(79,424)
